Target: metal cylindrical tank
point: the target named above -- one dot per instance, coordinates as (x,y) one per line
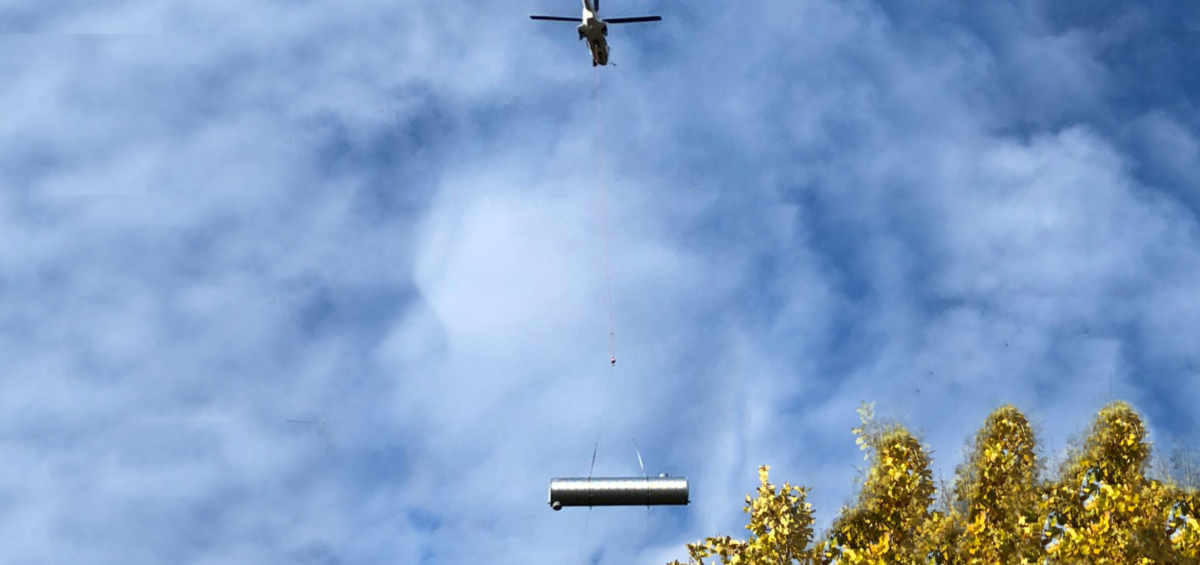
(619,491)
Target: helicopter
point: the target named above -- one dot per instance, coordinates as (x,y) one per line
(595,29)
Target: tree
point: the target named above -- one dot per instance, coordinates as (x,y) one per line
(996,489)
(780,524)
(889,522)
(1100,508)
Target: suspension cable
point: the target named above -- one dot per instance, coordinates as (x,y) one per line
(612,344)
(612,334)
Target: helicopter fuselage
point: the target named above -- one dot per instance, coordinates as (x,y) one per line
(595,31)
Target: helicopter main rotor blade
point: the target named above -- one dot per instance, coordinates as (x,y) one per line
(554,19)
(636,20)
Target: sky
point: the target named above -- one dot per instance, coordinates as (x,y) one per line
(390,218)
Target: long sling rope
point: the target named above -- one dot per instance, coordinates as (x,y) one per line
(612,334)
(608,288)
(612,348)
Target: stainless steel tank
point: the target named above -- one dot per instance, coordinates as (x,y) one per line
(619,491)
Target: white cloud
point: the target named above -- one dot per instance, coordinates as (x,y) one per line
(391,215)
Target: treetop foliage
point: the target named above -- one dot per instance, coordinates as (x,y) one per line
(1101,508)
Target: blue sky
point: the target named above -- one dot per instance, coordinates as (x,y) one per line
(217,216)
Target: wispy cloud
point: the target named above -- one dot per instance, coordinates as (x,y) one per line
(217,217)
